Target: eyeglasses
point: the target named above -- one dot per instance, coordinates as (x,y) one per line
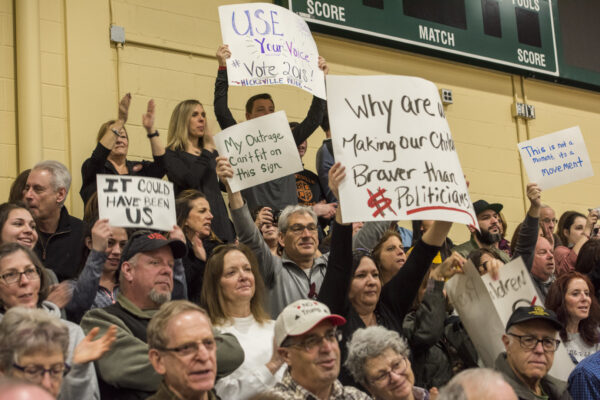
(398,367)
(13,277)
(313,342)
(530,342)
(192,348)
(297,229)
(35,373)
(548,220)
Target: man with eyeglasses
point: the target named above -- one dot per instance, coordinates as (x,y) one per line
(183,349)
(145,283)
(299,272)
(530,342)
(307,336)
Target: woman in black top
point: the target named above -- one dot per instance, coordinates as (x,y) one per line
(352,286)
(191,164)
(110,154)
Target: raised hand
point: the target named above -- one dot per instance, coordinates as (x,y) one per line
(124,107)
(323,65)
(223,53)
(100,234)
(91,350)
(60,294)
(148,117)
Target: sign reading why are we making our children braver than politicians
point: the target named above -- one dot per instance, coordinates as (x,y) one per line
(136,202)
(391,134)
(259,150)
(557,158)
(270,45)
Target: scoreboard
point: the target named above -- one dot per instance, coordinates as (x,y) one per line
(557,40)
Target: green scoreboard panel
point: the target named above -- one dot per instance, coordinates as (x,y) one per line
(523,35)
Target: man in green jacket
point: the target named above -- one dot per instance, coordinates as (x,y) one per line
(145,283)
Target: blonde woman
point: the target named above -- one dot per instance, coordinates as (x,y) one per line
(191,164)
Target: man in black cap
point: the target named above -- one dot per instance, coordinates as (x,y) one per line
(145,282)
(530,342)
(491,231)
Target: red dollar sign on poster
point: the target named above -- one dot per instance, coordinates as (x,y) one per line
(379,201)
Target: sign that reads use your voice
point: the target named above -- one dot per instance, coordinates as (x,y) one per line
(136,202)
(270,45)
(391,134)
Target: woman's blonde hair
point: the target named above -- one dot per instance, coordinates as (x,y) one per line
(177,136)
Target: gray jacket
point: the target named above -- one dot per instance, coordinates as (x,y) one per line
(80,382)
(285,280)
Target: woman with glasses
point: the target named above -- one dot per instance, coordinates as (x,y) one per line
(573,300)
(378,359)
(353,288)
(23,285)
(233,295)
(110,154)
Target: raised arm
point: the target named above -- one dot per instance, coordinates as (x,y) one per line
(222,112)
(315,113)
(148,122)
(528,234)
(245,227)
(334,290)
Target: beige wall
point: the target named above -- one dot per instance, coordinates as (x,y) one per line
(169,56)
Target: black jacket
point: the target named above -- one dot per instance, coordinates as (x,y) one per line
(61,251)
(99,164)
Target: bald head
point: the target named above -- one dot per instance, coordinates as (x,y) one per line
(477,383)
(22,390)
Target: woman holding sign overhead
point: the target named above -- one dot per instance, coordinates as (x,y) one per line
(110,154)
(353,287)
(191,164)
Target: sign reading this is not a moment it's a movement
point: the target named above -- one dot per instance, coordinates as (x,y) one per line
(259,150)
(557,158)
(391,134)
(270,45)
(136,202)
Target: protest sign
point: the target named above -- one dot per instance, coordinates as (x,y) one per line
(391,134)
(136,202)
(485,305)
(556,159)
(270,45)
(259,150)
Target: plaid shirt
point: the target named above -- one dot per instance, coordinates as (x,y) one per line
(290,390)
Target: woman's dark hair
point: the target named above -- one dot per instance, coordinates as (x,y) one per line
(475,256)
(18,187)
(6,249)
(183,207)
(555,301)
(6,209)
(566,220)
(588,257)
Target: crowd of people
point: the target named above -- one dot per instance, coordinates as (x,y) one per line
(270,295)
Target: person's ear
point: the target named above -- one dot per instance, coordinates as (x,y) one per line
(281,239)
(157,361)
(506,341)
(284,353)
(127,270)
(88,242)
(61,193)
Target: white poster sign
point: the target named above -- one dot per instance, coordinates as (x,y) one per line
(557,158)
(391,134)
(259,150)
(485,305)
(270,45)
(136,202)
